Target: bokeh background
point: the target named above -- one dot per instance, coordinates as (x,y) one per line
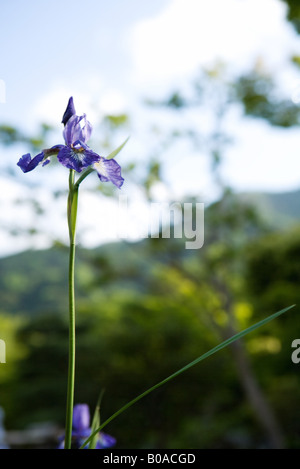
(209,94)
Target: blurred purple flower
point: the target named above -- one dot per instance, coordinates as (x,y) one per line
(81,430)
(76,154)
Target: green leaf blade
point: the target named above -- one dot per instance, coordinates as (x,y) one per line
(212,351)
(95,424)
(117,150)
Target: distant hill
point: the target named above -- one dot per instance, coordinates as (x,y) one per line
(280,210)
(35,282)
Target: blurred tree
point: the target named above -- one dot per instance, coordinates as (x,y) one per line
(231,223)
(293,13)
(42,370)
(10,136)
(272,274)
(258,95)
(273,268)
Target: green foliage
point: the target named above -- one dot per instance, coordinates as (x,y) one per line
(42,372)
(163,382)
(293,13)
(10,136)
(273,266)
(25,290)
(15,351)
(117,120)
(256,92)
(143,311)
(272,276)
(153,176)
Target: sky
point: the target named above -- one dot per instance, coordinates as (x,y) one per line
(110,56)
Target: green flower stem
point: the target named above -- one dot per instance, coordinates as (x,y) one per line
(72,216)
(82,177)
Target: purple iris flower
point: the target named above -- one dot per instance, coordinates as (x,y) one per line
(76,154)
(81,430)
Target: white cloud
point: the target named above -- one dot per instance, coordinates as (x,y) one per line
(95,99)
(263,158)
(51,106)
(189,33)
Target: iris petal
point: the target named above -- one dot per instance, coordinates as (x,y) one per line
(69,112)
(77,128)
(27,164)
(77,159)
(109,170)
(81,417)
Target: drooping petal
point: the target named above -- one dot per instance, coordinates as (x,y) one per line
(77,159)
(26,163)
(77,128)
(69,112)
(109,170)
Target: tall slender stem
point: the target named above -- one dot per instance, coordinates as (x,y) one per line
(72,215)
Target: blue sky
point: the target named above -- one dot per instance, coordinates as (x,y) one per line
(65,44)
(111,54)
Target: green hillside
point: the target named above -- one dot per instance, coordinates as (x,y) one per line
(35,282)
(146,309)
(280,210)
